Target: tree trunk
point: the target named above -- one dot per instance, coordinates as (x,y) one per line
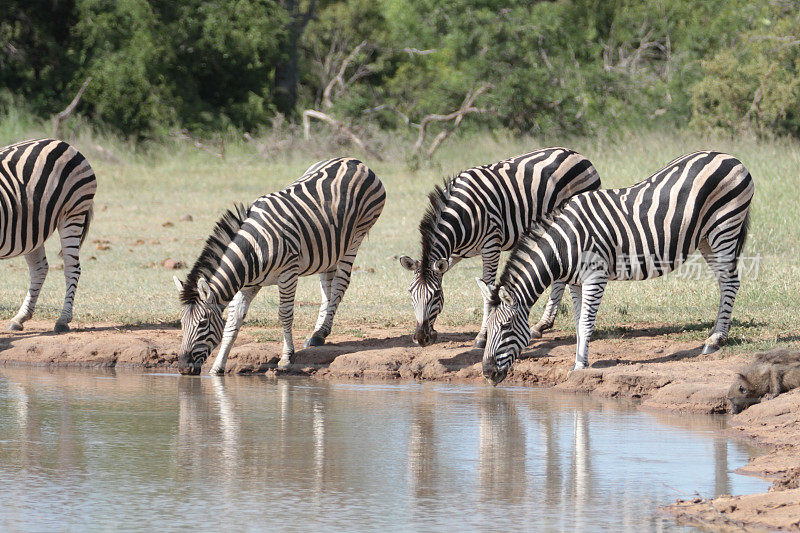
(287,69)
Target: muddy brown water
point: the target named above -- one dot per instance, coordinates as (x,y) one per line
(108,451)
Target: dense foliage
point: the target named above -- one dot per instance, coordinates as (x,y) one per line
(558,67)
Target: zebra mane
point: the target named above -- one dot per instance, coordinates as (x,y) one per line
(437,200)
(226,228)
(528,240)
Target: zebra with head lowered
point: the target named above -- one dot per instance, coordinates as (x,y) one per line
(699,201)
(485,210)
(44,185)
(313,226)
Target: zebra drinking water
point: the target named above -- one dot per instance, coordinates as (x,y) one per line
(315,225)
(699,201)
(485,210)
(44,185)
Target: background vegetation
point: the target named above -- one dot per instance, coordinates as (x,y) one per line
(562,67)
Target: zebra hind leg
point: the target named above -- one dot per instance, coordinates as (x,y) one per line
(550,311)
(71,232)
(724,266)
(339,281)
(37,268)
(317,338)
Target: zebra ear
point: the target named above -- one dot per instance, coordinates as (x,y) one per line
(408,263)
(506,297)
(203,289)
(441,266)
(485,289)
(178,283)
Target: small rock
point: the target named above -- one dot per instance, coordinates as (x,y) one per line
(186,218)
(101,241)
(368,270)
(697,500)
(172,264)
(729,508)
(139,242)
(155,241)
(92,258)
(101,246)
(167,224)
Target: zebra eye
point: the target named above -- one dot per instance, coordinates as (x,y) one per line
(203,323)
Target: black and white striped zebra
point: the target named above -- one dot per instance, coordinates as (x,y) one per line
(699,201)
(44,185)
(485,210)
(313,226)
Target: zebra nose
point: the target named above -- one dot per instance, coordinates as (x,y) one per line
(493,375)
(424,335)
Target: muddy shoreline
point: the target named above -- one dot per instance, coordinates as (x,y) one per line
(661,372)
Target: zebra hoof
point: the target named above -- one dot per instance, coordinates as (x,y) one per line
(14,326)
(216,371)
(314,340)
(479,344)
(536,334)
(61,327)
(284,363)
(579,366)
(709,348)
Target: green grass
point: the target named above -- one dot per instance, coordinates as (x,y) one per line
(141,189)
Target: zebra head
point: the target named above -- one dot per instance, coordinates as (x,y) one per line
(507,333)
(202,325)
(426,296)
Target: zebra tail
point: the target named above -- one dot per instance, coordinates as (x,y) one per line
(743,234)
(86,223)
(88,216)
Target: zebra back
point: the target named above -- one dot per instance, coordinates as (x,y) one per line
(506,196)
(42,183)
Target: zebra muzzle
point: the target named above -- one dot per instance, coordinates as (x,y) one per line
(425,335)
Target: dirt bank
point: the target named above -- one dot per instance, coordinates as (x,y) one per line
(663,373)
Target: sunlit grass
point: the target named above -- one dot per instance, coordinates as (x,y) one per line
(143,193)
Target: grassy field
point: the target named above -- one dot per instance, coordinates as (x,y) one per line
(143,194)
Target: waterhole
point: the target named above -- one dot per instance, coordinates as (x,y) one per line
(107,451)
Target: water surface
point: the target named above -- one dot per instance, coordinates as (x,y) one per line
(81,451)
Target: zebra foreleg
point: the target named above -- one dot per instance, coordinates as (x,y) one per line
(591,295)
(70,232)
(37,267)
(491,258)
(550,310)
(237,310)
(326,288)
(728,279)
(287,286)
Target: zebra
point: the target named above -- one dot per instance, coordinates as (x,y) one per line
(45,184)
(313,226)
(699,201)
(485,210)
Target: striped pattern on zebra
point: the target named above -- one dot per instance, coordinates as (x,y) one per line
(485,210)
(699,201)
(313,226)
(45,185)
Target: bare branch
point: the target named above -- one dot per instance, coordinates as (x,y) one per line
(338,78)
(59,119)
(456,117)
(308,114)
